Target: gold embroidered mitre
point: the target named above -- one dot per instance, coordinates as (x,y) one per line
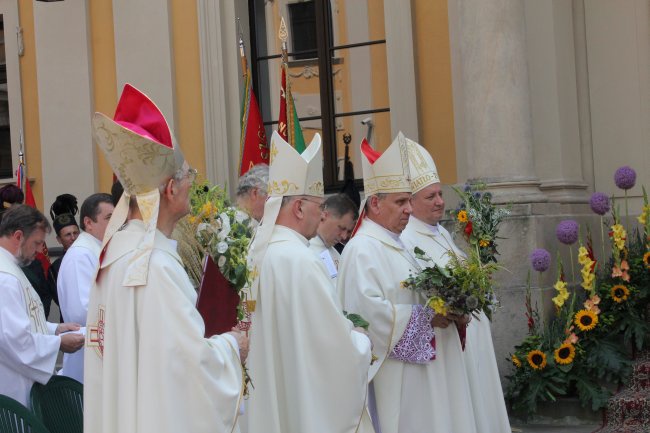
(292,173)
(143,153)
(386,172)
(421,166)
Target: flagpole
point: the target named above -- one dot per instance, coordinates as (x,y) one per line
(242,51)
(283,36)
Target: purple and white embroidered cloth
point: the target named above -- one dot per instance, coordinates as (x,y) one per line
(416,346)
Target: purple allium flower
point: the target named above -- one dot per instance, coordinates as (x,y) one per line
(540,259)
(625,177)
(567,232)
(599,203)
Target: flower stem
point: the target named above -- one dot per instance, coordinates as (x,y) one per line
(627,214)
(541,293)
(602,239)
(573,272)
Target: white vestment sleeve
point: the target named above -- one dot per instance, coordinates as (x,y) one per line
(30,354)
(73,284)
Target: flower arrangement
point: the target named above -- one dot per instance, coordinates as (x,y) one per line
(587,346)
(478,220)
(464,285)
(223,231)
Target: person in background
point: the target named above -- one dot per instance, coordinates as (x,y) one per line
(251,191)
(29,345)
(63,212)
(78,272)
(337,222)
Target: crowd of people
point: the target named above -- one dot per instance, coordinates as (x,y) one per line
(131,333)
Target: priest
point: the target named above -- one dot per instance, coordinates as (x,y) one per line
(148,367)
(406,391)
(308,364)
(29,345)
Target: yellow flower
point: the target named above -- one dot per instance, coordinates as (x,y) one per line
(620,293)
(588,278)
(646,259)
(565,353)
(193,219)
(438,305)
(586,320)
(644,215)
(483,243)
(462,216)
(515,360)
(619,235)
(536,359)
(583,256)
(562,295)
(208,209)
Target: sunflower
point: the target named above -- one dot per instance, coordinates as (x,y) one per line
(565,353)
(586,320)
(536,359)
(620,293)
(462,216)
(646,259)
(515,360)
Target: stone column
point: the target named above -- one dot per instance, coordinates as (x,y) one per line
(492,98)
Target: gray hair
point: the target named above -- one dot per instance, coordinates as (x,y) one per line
(255,178)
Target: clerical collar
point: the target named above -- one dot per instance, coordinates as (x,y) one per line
(393,236)
(434,229)
(7,253)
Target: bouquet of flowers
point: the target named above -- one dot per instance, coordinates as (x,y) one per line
(586,347)
(478,220)
(462,287)
(223,231)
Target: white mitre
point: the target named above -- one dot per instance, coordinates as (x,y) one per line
(290,174)
(384,173)
(141,149)
(421,166)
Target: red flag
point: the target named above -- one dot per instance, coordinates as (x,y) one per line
(252,141)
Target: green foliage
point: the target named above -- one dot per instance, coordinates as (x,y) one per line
(357,320)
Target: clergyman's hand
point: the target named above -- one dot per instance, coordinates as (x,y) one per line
(242,341)
(440,321)
(71,342)
(65,327)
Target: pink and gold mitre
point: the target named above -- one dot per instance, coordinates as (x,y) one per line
(421,166)
(292,173)
(141,149)
(387,172)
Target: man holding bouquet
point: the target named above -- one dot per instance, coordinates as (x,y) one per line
(409,395)
(472,374)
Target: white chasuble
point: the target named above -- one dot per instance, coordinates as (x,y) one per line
(28,346)
(410,396)
(309,368)
(330,258)
(148,367)
(480,363)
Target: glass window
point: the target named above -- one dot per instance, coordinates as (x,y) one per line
(337,71)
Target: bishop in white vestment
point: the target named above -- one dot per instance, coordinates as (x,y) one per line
(308,365)
(410,394)
(148,367)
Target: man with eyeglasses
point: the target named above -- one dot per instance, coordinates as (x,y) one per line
(308,364)
(148,367)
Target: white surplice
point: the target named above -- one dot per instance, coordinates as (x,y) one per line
(28,346)
(480,361)
(410,397)
(330,258)
(76,277)
(309,368)
(148,367)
